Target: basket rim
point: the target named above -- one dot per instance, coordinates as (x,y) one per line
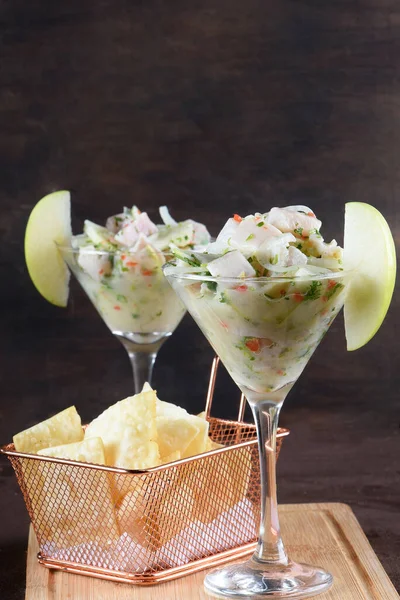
(7,450)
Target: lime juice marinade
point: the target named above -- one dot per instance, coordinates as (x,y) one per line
(265,333)
(270,290)
(133,298)
(120,268)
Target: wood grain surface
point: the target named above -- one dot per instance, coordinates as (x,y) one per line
(327,535)
(210,107)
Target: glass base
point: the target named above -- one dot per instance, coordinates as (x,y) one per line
(255,580)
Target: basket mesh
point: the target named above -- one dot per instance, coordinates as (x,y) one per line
(143,523)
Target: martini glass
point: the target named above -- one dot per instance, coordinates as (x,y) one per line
(264,330)
(133,298)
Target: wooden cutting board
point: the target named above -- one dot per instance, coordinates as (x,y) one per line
(327,535)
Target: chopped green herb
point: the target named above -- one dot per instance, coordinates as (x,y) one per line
(222,297)
(274,259)
(135,315)
(159,313)
(260,224)
(332,291)
(212,285)
(122,298)
(315,232)
(299,246)
(299,231)
(250,237)
(314,291)
(186,237)
(124,269)
(191,260)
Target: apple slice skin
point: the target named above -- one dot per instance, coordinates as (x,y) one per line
(49,223)
(372,267)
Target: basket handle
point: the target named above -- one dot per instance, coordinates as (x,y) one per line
(211,388)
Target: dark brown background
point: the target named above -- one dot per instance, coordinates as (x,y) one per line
(211,107)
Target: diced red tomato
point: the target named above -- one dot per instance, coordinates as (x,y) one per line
(331,284)
(298,297)
(131,263)
(147,272)
(101,271)
(123,257)
(281,372)
(241,288)
(311,214)
(237,218)
(224,325)
(253,344)
(116,307)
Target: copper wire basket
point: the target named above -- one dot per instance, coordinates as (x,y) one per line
(145,527)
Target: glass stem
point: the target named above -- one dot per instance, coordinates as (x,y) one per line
(270,548)
(142,357)
(142,366)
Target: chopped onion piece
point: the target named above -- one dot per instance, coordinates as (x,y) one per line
(166,217)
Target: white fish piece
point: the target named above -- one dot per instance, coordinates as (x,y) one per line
(296,257)
(275,250)
(128,235)
(95,264)
(146,254)
(145,225)
(249,236)
(325,250)
(290,221)
(301,208)
(224,236)
(231,264)
(328,263)
(141,243)
(115,222)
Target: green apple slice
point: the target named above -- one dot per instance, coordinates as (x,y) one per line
(49,223)
(369,252)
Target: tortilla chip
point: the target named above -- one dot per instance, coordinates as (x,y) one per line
(129,433)
(73,503)
(64,428)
